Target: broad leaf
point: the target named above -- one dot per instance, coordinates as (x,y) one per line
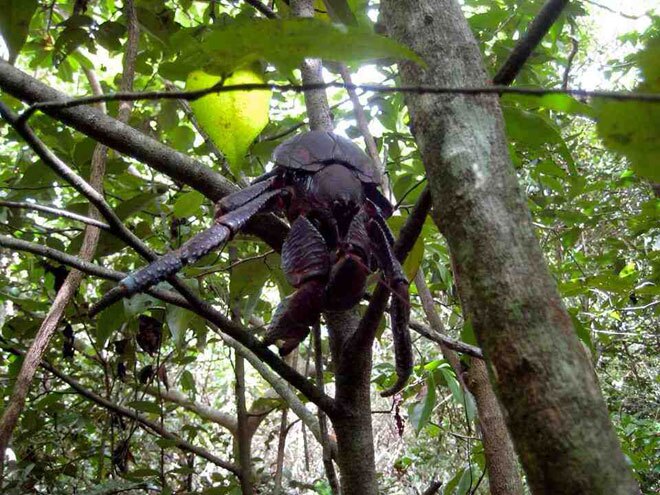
(188,204)
(108,322)
(233,120)
(242,43)
(632,128)
(420,412)
(15,22)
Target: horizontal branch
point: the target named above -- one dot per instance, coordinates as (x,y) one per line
(453,344)
(299,88)
(125,139)
(131,414)
(55,211)
(85,266)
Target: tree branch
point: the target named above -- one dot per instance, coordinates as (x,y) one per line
(263,8)
(529,41)
(49,106)
(55,211)
(131,414)
(453,344)
(85,266)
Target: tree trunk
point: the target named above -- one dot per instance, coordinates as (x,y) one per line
(352,423)
(501,465)
(554,408)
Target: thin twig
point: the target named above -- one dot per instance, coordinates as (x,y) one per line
(454,345)
(298,88)
(55,211)
(263,8)
(330,472)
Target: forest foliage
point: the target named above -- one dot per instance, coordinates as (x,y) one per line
(589,168)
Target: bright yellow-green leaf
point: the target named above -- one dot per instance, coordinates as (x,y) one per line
(233,119)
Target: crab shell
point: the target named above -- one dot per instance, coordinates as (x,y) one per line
(311,151)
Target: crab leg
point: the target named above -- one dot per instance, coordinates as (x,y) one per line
(223,229)
(306,262)
(399,304)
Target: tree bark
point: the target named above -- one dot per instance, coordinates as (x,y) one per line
(501,466)
(554,408)
(352,423)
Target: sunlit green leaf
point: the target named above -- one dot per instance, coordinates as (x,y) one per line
(188,204)
(233,120)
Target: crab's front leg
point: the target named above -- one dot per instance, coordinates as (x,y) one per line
(234,211)
(381,244)
(306,263)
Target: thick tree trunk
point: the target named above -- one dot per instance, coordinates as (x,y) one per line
(555,412)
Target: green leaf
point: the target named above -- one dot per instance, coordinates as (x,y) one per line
(108,35)
(414,259)
(145,406)
(339,10)
(453,384)
(234,119)
(466,482)
(68,41)
(632,128)
(534,130)
(188,204)
(188,381)
(242,43)
(137,203)
(15,23)
(558,102)
(247,279)
(178,321)
(108,322)
(420,412)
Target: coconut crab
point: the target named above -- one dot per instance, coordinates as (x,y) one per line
(327,187)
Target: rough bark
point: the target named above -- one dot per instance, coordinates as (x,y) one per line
(555,411)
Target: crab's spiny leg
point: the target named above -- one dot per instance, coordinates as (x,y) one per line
(399,304)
